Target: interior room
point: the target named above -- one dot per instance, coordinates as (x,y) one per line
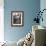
(22,23)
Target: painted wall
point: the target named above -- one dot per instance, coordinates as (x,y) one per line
(43,6)
(30,7)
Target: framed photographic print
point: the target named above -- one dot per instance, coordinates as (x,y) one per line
(17,18)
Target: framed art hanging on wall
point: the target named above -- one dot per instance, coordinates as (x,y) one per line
(17,18)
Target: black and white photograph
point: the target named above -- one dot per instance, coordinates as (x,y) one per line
(17,18)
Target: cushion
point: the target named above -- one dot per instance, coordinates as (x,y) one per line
(20,42)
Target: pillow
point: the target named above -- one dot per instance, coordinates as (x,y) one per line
(28,40)
(20,42)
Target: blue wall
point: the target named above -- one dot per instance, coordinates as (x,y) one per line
(29,7)
(43,6)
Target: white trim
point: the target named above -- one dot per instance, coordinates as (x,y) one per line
(1,21)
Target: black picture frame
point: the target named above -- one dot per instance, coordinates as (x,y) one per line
(17,18)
